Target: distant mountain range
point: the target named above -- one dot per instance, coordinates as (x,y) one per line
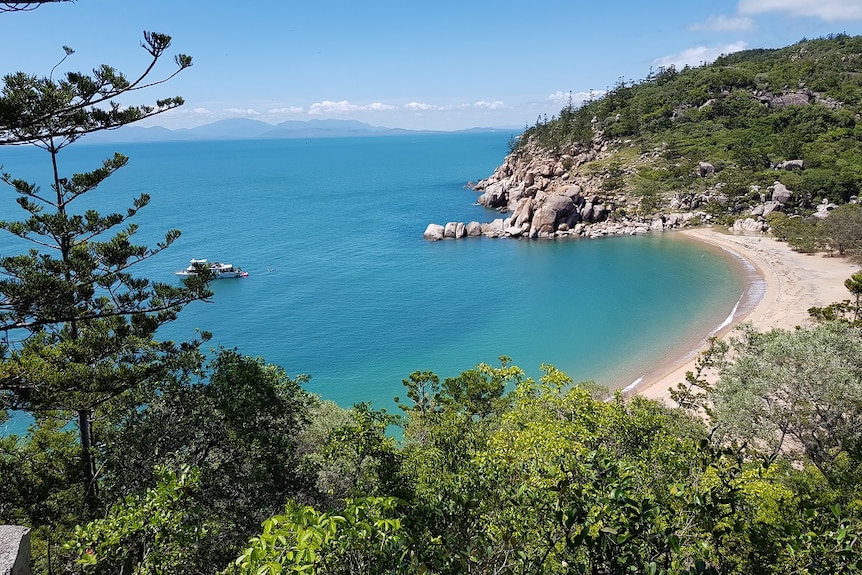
(246,129)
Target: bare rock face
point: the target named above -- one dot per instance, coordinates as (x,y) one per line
(790,165)
(770,207)
(523,212)
(823,209)
(14,550)
(676,220)
(433,232)
(705,169)
(548,198)
(517,194)
(516,231)
(574,191)
(587,211)
(554,209)
(494,229)
(791,99)
(495,196)
(748,225)
(474,229)
(780,193)
(455,230)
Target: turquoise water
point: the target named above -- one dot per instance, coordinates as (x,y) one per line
(343,287)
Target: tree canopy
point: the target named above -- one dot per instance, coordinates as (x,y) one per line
(26,6)
(78,327)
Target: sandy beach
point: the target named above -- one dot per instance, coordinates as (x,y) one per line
(794,282)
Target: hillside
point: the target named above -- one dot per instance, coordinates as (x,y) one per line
(755,132)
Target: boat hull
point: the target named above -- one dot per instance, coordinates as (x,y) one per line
(216,275)
(218,270)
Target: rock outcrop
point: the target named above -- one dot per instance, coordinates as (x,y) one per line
(545,196)
(780,193)
(705,169)
(433,232)
(801,97)
(14,550)
(756,220)
(790,165)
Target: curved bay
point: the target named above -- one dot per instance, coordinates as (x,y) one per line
(343,287)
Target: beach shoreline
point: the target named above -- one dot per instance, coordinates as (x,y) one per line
(782,285)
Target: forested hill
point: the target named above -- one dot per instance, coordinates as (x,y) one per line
(745,114)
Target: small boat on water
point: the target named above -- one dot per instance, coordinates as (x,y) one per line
(219,270)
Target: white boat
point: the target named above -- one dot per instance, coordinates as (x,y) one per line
(219,270)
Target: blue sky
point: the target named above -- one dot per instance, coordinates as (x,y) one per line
(421,65)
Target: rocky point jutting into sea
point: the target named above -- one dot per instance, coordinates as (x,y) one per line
(561,194)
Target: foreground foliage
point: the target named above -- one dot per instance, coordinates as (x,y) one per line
(496,473)
(553,480)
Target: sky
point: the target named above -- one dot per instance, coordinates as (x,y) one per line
(442,65)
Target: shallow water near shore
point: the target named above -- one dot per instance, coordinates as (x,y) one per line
(343,287)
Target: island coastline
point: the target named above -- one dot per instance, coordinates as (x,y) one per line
(788,282)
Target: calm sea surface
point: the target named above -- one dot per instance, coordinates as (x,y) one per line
(343,287)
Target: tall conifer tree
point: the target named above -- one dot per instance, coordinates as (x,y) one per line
(78,328)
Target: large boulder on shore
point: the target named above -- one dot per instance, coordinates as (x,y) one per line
(523,212)
(474,229)
(455,230)
(553,209)
(748,225)
(769,207)
(433,232)
(495,196)
(494,229)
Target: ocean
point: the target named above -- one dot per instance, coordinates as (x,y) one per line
(343,287)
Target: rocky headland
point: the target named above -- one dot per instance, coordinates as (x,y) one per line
(584,190)
(542,194)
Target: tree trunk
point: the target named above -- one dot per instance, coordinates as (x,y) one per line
(88,463)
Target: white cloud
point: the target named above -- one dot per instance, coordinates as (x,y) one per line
(418,106)
(829,10)
(202,111)
(288,110)
(560,97)
(330,108)
(495,105)
(724,24)
(698,55)
(379,107)
(242,111)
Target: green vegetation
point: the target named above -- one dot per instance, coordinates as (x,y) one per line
(531,477)
(79,328)
(730,113)
(840,232)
